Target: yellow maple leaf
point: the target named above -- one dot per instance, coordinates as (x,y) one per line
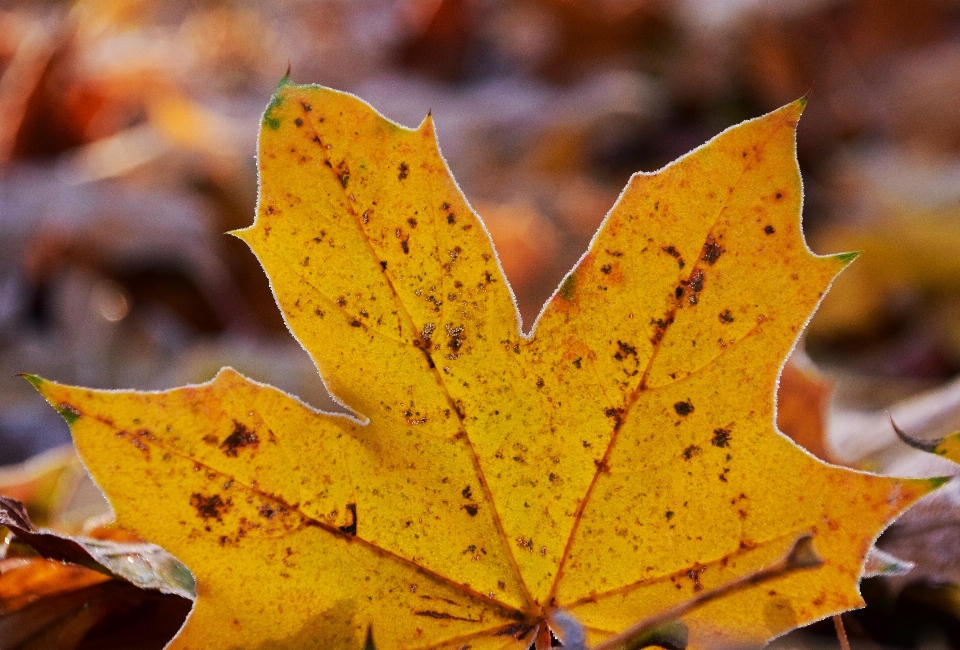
(611,464)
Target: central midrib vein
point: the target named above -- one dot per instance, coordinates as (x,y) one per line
(635,394)
(438,377)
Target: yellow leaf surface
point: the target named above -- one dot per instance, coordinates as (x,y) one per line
(949,447)
(613,463)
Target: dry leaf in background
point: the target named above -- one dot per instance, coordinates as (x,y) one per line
(96,591)
(803,398)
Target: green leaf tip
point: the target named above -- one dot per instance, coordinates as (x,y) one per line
(846,258)
(285,79)
(276,101)
(937,481)
(33,379)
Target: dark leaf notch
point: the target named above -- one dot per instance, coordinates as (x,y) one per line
(351,528)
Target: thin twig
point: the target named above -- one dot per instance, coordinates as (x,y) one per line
(543,640)
(841,632)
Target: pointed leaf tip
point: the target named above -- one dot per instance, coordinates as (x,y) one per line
(929,446)
(846,258)
(276,101)
(938,481)
(68,412)
(33,379)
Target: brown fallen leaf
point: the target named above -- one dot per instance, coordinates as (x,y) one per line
(145,565)
(803,399)
(47,604)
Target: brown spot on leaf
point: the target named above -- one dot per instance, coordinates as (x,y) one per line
(690,452)
(726,316)
(696,286)
(683,408)
(241,438)
(769,229)
(404,169)
(661,328)
(694,574)
(721,438)
(471,509)
(712,251)
(212,507)
(455,334)
(615,414)
(266,511)
(625,350)
(343,174)
(136,442)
